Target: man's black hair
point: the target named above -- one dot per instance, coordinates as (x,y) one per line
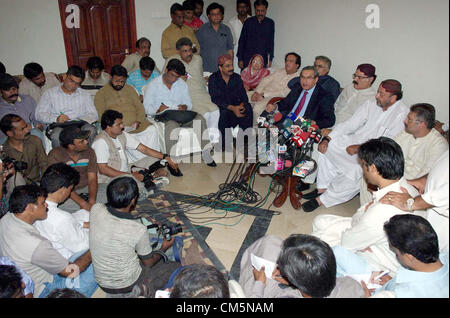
(188,5)
(177,66)
(309,264)
(238,2)
(414,235)
(139,42)
(95,62)
(76,71)
(119,70)
(214,6)
(175,7)
(59,175)
(7,81)
(298,58)
(200,281)
(6,123)
(2,68)
(425,112)
(386,155)
(147,64)
(182,42)
(200,2)
(261,3)
(65,293)
(24,195)
(10,281)
(121,191)
(109,117)
(31,70)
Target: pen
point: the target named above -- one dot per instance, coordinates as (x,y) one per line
(384,273)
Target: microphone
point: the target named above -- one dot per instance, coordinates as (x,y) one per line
(283,163)
(277,117)
(300,139)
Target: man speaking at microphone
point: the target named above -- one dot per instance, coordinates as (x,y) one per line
(307,99)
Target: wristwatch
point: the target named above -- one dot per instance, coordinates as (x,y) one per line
(165,156)
(410,203)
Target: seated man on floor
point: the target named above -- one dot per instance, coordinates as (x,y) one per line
(131,62)
(95,74)
(22,105)
(382,163)
(21,146)
(119,96)
(228,93)
(110,147)
(422,146)
(424,271)
(339,173)
(141,77)
(433,189)
(307,100)
(276,84)
(36,82)
(68,102)
(75,152)
(201,101)
(170,92)
(125,266)
(68,232)
(305,267)
(33,253)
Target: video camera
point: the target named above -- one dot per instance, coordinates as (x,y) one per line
(18,165)
(148,173)
(167,230)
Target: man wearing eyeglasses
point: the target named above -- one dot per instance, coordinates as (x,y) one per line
(339,173)
(357,93)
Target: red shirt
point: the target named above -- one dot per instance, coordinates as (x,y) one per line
(195,24)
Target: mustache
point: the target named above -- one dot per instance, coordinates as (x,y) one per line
(123,129)
(14,95)
(355,82)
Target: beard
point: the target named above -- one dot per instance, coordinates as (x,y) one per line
(117,87)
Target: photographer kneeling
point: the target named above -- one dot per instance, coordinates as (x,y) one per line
(22,151)
(124,265)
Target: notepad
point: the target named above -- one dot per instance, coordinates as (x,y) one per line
(365,278)
(258,262)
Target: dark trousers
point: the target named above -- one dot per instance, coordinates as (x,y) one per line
(229,120)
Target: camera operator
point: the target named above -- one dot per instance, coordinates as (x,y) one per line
(124,264)
(110,147)
(22,147)
(4,174)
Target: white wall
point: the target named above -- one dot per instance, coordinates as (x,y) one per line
(411,44)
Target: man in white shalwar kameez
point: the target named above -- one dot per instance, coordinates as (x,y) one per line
(434,198)
(236,23)
(382,163)
(201,101)
(422,145)
(339,173)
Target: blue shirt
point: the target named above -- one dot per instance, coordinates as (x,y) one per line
(136,80)
(305,106)
(28,282)
(256,38)
(413,284)
(158,93)
(214,44)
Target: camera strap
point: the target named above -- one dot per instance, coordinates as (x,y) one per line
(161,253)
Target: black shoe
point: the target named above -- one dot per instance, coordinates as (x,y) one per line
(301,186)
(212,164)
(173,172)
(310,205)
(311,195)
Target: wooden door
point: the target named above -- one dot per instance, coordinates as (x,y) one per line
(106,28)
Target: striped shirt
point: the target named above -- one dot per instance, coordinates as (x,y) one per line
(136,80)
(55,102)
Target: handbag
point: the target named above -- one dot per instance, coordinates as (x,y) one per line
(180,116)
(76,123)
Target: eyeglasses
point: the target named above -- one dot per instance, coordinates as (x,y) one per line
(359,76)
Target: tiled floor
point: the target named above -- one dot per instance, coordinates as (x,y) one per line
(227,236)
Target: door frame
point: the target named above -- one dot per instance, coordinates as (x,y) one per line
(67,32)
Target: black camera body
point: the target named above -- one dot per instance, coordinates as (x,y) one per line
(18,165)
(167,230)
(148,173)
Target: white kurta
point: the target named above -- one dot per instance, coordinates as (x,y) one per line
(349,100)
(340,173)
(436,193)
(365,228)
(421,155)
(27,87)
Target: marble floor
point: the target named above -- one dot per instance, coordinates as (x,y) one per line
(227,235)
